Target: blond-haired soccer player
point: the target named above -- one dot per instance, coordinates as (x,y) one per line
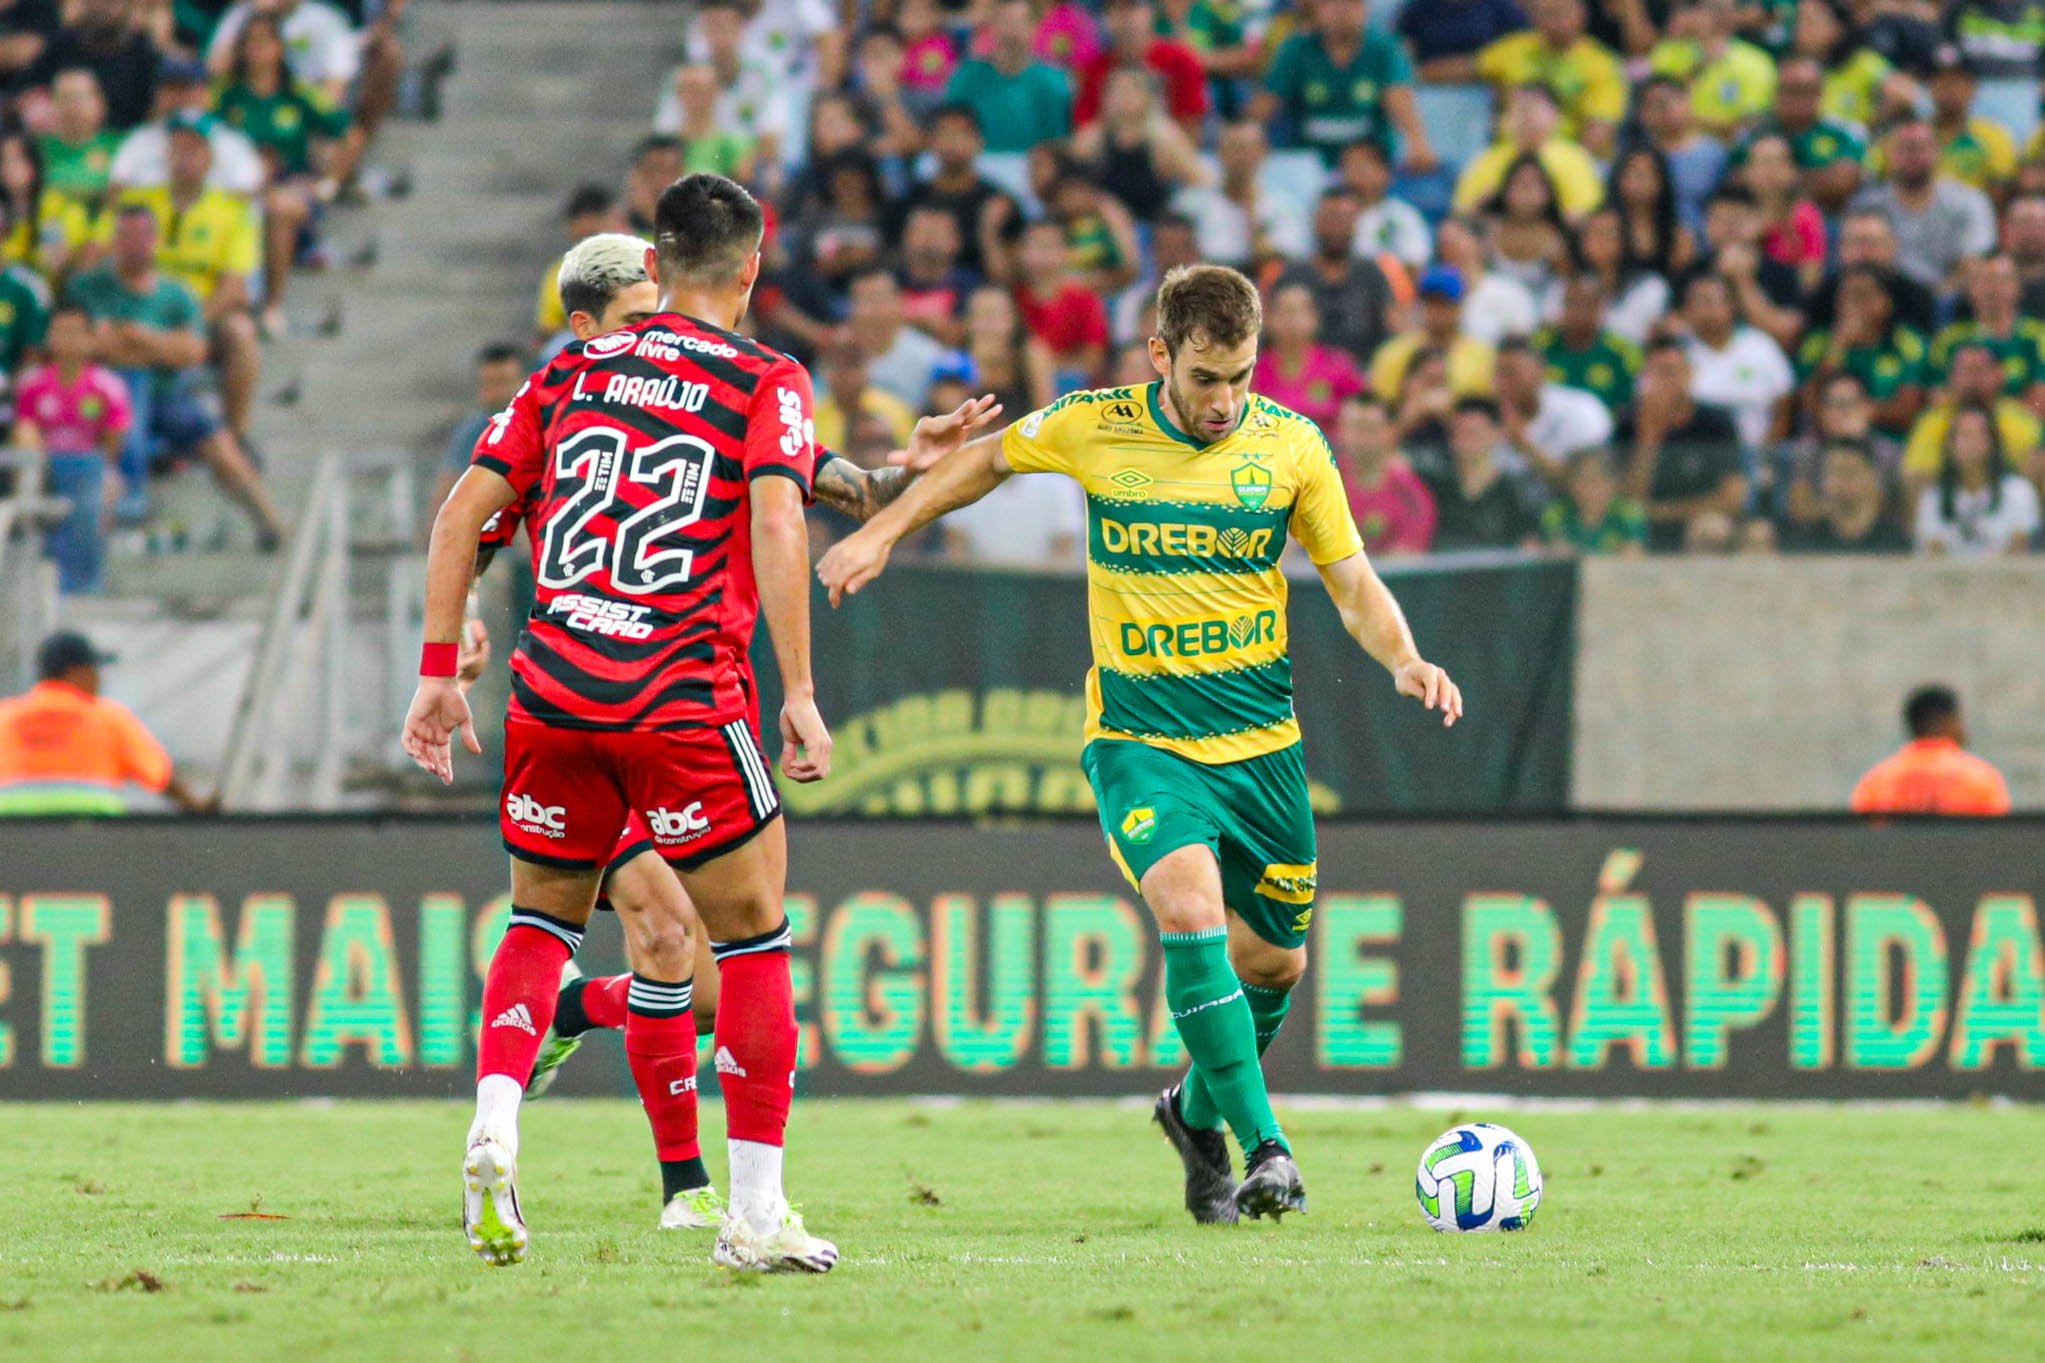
(1193,484)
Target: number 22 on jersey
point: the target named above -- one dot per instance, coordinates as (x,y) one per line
(589,468)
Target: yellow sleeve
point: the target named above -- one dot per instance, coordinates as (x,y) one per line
(1479,180)
(1576,180)
(549,315)
(1921,451)
(1321,519)
(1494,61)
(1604,95)
(1999,149)
(1049,440)
(1388,368)
(2020,431)
(243,247)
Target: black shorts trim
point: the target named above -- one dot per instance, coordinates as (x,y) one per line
(627,853)
(557,863)
(694,859)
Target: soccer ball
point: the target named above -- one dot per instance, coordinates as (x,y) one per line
(1479,1176)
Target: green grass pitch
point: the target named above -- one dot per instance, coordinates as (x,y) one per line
(1031,1231)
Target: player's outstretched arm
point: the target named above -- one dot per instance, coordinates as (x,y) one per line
(960,478)
(439,707)
(1373,618)
(781,568)
(863,493)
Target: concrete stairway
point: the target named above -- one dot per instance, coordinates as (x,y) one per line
(543,95)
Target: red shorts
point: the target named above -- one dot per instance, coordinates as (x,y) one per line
(691,794)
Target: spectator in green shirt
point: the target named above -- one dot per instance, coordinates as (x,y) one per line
(1591,517)
(149,328)
(1867,341)
(24,317)
(300,133)
(1581,352)
(1019,101)
(1341,81)
(78,151)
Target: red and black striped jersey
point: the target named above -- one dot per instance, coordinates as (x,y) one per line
(631,454)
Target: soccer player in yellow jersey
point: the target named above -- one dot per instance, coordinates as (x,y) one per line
(1192,485)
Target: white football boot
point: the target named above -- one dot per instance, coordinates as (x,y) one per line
(694,1209)
(490,1214)
(788,1248)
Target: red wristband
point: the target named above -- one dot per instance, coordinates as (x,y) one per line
(437,660)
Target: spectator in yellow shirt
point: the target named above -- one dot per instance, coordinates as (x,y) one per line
(847,399)
(210,240)
(1732,82)
(1530,128)
(1975,151)
(1470,361)
(1583,77)
(1974,379)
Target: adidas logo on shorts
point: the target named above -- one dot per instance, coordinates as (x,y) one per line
(727,1064)
(516,1016)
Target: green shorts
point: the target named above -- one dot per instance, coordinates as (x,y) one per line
(1254,814)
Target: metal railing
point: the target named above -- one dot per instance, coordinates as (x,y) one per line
(317,707)
(28,580)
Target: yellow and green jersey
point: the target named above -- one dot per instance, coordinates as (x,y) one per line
(1186,599)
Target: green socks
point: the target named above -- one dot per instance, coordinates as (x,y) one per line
(1267,1014)
(1210,1007)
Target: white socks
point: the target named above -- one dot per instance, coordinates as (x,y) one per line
(497,1099)
(756,1194)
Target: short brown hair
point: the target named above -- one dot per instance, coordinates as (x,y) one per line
(1213,300)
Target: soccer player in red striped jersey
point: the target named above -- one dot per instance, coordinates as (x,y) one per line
(670,463)
(604,287)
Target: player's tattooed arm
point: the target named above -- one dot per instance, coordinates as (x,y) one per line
(863,493)
(858,492)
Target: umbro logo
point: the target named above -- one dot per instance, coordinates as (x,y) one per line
(516,1016)
(727,1064)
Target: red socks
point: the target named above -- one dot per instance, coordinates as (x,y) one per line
(604,1000)
(660,1046)
(756,1036)
(520,990)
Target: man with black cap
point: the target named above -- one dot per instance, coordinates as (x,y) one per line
(1975,150)
(66,749)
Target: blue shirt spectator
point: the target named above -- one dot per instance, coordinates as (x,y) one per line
(1445,34)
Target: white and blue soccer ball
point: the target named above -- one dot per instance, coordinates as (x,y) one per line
(1478,1176)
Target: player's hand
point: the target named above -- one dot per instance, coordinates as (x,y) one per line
(937,436)
(1431,687)
(473,655)
(805,742)
(852,563)
(439,710)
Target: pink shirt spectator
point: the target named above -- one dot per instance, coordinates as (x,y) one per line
(1068,36)
(74,418)
(927,63)
(1325,378)
(1395,517)
(1800,239)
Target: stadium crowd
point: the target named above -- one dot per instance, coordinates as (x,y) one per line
(163,167)
(1617,277)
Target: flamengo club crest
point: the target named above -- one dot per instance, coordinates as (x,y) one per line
(1252,485)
